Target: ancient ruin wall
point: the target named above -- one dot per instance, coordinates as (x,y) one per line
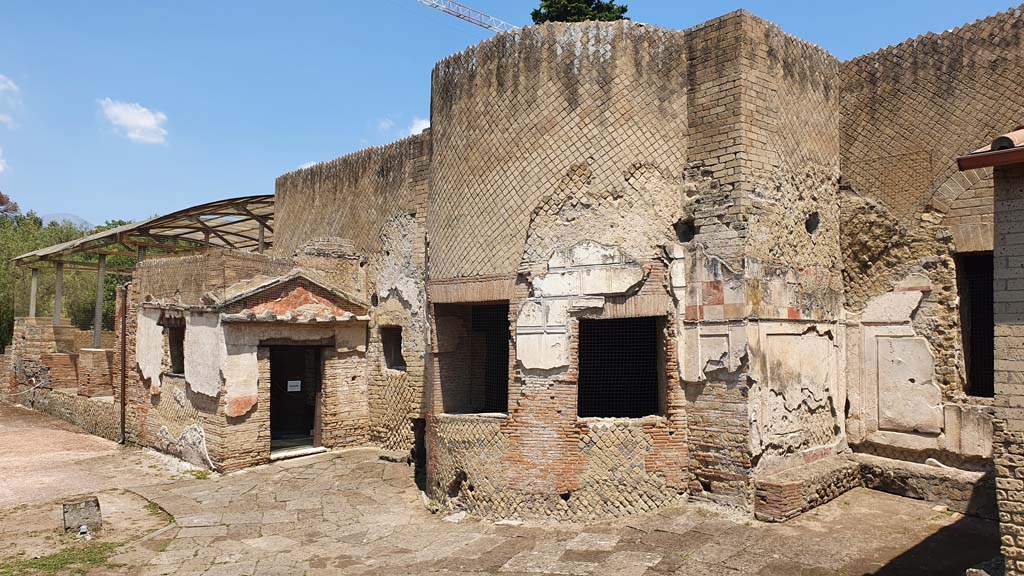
(525,116)
(907,112)
(1009,326)
(375,201)
(187,279)
(351,197)
(759,287)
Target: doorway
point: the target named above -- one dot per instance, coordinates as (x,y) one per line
(294,397)
(974,284)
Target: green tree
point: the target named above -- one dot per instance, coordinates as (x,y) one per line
(578,11)
(80,287)
(21,233)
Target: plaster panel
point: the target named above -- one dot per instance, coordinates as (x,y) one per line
(908,399)
(205,353)
(149,347)
(241,375)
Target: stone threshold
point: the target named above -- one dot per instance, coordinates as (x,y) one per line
(288,453)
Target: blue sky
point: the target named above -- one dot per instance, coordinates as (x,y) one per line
(126,109)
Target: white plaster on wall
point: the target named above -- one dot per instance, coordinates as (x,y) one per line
(149,347)
(578,278)
(204,353)
(912,402)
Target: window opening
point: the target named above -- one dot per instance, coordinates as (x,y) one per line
(974,284)
(620,367)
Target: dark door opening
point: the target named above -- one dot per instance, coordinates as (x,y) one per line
(294,396)
(974,284)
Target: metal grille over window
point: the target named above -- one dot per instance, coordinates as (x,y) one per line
(391,342)
(490,359)
(974,283)
(619,370)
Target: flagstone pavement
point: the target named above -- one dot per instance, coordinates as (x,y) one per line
(349,512)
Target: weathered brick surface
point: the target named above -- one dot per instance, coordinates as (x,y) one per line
(94,374)
(709,159)
(1009,361)
(512,116)
(376,200)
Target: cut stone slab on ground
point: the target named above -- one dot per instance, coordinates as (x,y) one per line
(349,512)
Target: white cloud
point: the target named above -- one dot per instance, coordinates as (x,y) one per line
(135,121)
(10,101)
(385,124)
(306,165)
(418,125)
(3,163)
(7,85)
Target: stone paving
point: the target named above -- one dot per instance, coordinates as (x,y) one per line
(349,512)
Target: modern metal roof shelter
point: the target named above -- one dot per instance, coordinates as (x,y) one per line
(244,223)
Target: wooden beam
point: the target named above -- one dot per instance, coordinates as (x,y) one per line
(209,230)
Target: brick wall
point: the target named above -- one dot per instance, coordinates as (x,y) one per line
(1009,378)
(376,200)
(94,375)
(187,279)
(528,114)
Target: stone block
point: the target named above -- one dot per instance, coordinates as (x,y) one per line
(83,511)
(908,399)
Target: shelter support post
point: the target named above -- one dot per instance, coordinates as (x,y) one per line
(97,319)
(32,291)
(58,292)
(262,240)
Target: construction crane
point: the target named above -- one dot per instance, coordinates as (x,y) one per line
(469,15)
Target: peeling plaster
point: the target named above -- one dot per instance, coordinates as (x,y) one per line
(577,278)
(205,353)
(149,347)
(396,273)
(190,446)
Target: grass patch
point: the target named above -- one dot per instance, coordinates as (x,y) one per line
(199,474)
(155,509)
(77,559)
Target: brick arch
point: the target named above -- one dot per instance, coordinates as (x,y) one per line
(971,233)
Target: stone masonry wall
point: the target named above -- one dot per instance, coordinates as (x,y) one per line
(1009,355)
(376,200)
(536,113)
(907,112)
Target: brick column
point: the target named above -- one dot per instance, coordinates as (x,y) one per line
(1008,288)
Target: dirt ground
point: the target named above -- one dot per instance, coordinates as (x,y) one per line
(349,512)
(43,458)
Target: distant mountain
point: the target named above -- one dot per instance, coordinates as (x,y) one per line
(61,217)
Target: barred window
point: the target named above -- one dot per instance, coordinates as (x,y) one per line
(621,367)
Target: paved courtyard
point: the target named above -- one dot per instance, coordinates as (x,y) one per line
(351,513)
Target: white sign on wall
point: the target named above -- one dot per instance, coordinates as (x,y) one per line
(295,385)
